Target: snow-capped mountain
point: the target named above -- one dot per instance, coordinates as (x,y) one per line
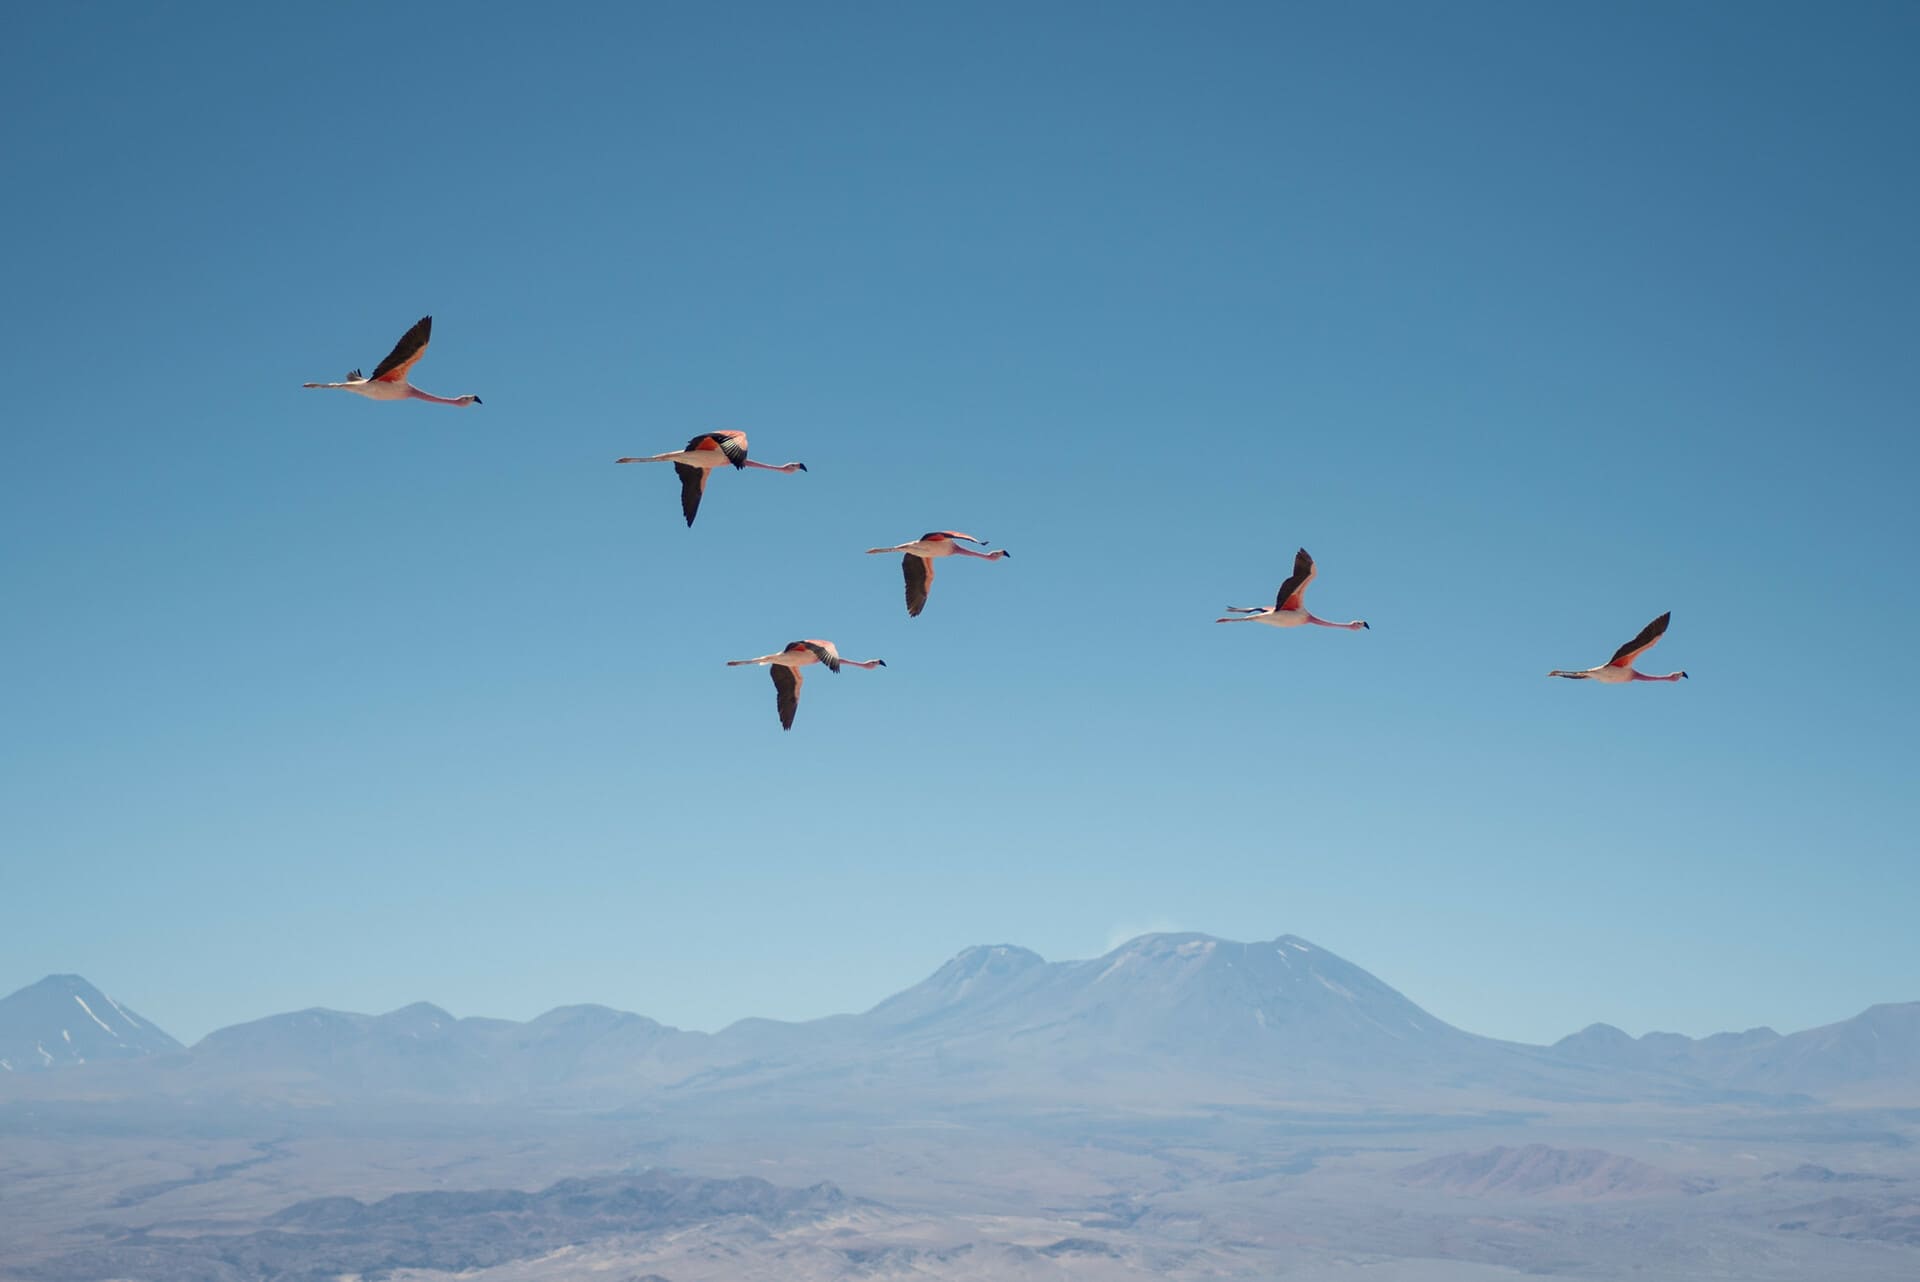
(64,1020)
(1180,997)
(976,977)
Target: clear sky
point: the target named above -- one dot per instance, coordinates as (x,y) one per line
(1530,321)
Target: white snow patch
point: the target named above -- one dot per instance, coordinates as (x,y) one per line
(1332,987)
(69,1036)
(1118,962)
(1260,1018)
(6,1064)
(1195,948)
(43,1052)
(1302,947)
(123,1014)
(90,1015)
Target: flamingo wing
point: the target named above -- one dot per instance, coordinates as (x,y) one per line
(930,535)
(786,693)
(824,651)
(693,483)
(405,354)
(1626,654)
(731,444)
(1296,586)
(919,573)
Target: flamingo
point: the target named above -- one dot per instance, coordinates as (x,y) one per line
(1619,669)
(389,381)
(704,453)
(786,667)
(917,564)
(1286,610)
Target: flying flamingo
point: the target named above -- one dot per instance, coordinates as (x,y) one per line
(1286,610)
(389,381)
(704,453)
(786,667)
(917,564)
(1619,669)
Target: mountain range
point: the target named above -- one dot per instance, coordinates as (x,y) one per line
(1279,1016)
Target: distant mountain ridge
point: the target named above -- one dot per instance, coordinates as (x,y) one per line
(65,1021)
(1277,1014)
(1882,1043)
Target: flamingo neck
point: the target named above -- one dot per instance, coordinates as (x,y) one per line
(1671,676)
(783,467)
(419,395)
(1354,626)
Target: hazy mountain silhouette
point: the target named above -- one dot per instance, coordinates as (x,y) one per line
(1183,998)
(1281,1014)
(1881,1044)
(63,1020)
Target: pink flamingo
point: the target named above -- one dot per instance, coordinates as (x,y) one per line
(786,667)
(1619,669)
(389,381)
(704,453)
(1286,610)
(917,564)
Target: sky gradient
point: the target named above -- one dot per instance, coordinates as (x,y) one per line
(1531,322)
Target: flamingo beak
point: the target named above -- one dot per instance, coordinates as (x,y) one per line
(801,466)
(478,401)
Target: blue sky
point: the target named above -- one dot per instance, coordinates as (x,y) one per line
(1529,321)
